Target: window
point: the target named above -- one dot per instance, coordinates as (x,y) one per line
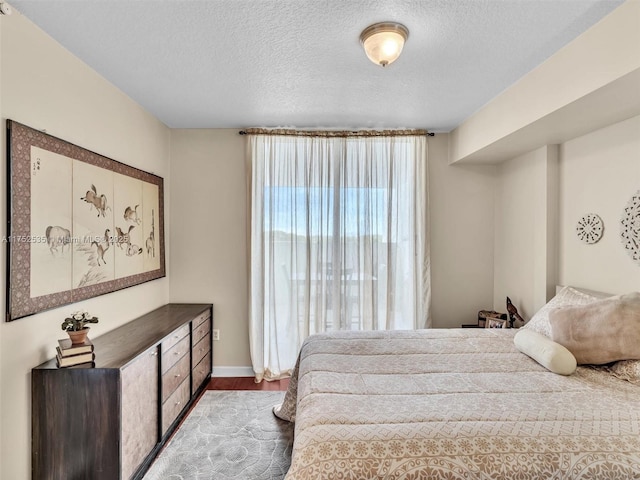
(338,239)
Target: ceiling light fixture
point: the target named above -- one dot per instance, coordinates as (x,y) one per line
(5,8)
(383,42)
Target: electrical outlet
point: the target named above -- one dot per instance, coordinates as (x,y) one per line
(216,334)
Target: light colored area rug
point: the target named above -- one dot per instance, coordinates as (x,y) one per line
(228,435)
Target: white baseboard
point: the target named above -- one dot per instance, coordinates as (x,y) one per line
(232,372)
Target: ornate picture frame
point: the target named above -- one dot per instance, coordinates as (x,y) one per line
(79,224)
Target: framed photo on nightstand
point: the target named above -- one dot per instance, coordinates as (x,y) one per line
(492,322)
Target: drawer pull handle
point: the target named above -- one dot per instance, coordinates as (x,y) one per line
(177,353)
(154,353)
(178,403)
(177,375)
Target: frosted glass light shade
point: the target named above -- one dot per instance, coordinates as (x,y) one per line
(383,42)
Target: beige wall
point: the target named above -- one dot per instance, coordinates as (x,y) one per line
(209,235)
(526,231)
(598,174)
(461,204)
(538,207)
(45,87)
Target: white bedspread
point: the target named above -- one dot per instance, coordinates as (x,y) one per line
(454,404)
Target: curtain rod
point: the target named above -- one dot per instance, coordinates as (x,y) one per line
(336,133)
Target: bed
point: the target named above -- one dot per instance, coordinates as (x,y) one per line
(454,404)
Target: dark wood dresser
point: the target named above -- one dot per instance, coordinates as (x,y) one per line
(109,422)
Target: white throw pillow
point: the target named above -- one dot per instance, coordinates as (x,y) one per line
(566,297)
(546,352)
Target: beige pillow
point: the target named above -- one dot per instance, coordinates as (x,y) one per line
(601,332)
(549,354)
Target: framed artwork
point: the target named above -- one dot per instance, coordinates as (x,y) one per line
(494,322)
(79,224)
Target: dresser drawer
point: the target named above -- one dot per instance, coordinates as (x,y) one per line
(175,353)
(174,405)
(201,371)
(204,316)
(174,377)
(173,338)
(201,349)
(200,332)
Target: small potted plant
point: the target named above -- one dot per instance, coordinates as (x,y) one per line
(75,326)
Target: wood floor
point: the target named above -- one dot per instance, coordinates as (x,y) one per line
(246,383)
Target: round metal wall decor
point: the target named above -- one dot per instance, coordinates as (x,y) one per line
(590,228)
(630,227)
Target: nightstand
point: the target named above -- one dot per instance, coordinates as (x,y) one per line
(482,318)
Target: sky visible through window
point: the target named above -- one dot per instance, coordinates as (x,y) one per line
(310,210)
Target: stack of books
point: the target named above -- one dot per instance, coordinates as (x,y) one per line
(79,355)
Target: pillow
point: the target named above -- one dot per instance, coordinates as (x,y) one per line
(601,332)
(628,370)
(549,354)
(593,293)
(565,297)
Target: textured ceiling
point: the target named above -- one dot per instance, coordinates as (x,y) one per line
(242,63)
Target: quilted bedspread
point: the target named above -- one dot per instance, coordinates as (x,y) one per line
(453,404)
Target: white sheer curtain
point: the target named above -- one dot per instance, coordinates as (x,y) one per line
(339,240)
